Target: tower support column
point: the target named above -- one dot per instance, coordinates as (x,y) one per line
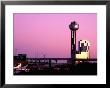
(73,27)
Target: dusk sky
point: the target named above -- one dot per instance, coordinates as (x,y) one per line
(45,33)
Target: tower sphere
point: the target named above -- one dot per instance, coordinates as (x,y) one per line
(74,26)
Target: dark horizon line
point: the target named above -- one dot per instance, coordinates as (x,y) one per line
(51,57)
(89,59)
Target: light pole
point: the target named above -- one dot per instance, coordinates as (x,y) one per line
(73,27)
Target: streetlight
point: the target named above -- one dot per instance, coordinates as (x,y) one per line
(73,27)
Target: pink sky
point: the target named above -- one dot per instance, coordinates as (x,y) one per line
(49,34)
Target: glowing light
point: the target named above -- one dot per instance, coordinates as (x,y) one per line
(18,66)
(76,26)
(83,55)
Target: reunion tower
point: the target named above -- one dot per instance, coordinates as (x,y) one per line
(73,27)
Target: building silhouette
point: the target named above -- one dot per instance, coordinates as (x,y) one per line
(83,50)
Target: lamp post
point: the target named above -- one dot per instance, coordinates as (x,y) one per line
(73,27)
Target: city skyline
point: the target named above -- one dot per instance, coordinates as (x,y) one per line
(49,34)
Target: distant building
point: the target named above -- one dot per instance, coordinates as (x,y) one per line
(20,58)
(83,49)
